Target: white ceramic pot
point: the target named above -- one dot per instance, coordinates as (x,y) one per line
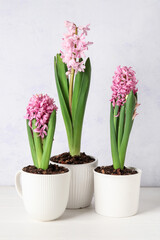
(45,196)
(117,196)
(81,184)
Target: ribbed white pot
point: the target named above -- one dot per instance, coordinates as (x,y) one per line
(81,184)
(45,197)
(117,196)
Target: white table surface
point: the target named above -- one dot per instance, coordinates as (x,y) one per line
(82,224)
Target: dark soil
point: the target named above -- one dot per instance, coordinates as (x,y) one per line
(111,171)
(52,169)
(66,158)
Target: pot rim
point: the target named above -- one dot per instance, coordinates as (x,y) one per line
(83,164)
(119,176)
(46,175)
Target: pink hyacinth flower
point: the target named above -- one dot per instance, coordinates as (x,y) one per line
(74,45)
(40,108)
(124,81)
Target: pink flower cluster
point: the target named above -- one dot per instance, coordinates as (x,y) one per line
(40,108)
(74,46)
(124,81)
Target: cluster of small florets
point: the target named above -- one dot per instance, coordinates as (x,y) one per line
(40,108)
(74,46)
(124,81)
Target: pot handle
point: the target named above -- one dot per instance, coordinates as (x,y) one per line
(18,183)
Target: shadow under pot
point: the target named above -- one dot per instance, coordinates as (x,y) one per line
(45,196)
(81,184)
(117,195)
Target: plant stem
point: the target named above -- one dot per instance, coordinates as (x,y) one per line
(32,145)
(71,82)
(48,141)
(38,144)
(114,147)
(75,152)
(71,89)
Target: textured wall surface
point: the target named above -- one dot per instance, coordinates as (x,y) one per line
(125,32)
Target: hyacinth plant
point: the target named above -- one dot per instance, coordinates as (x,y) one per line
(41,121)
(72,76)
(123,111)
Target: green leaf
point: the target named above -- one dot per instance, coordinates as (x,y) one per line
(31,143)
(79,106)
(116,119)
(121,125)
(63,80)
(114,147)
(44,142)
(38,143)
(130,106)
(64,108)
(49,140)
(76,93)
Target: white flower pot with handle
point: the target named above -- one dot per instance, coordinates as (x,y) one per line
(45,197)
(117,196)
(81,184)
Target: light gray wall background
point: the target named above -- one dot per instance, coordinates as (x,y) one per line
(125,32)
